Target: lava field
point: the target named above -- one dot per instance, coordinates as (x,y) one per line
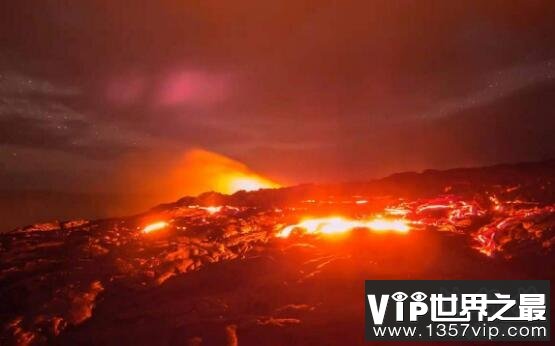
(271,267)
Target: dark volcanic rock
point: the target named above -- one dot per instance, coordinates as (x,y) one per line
(218,274)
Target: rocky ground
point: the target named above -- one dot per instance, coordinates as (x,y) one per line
(218,273)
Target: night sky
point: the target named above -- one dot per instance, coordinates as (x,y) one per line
(100,96)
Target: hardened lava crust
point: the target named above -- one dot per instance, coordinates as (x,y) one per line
(274,267)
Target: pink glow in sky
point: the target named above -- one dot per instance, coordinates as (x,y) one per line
(192,88)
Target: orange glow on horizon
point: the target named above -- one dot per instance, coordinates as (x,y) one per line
(249,183)
(339,225)
(163,177)
(156,226)
(233,182)
(203,171)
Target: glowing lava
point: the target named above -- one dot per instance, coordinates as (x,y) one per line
(338,225)
(156,226)
(212,209)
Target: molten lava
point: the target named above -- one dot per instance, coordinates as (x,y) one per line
(156,226)
(74,273)
(338,225)
(212,209)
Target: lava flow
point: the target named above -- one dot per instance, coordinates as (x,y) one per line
(156,226)
(338,225)
(274,265)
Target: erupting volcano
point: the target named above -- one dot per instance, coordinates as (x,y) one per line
(283,265)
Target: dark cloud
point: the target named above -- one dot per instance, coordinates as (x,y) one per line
(307,90)
(66,136)
(512,128)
